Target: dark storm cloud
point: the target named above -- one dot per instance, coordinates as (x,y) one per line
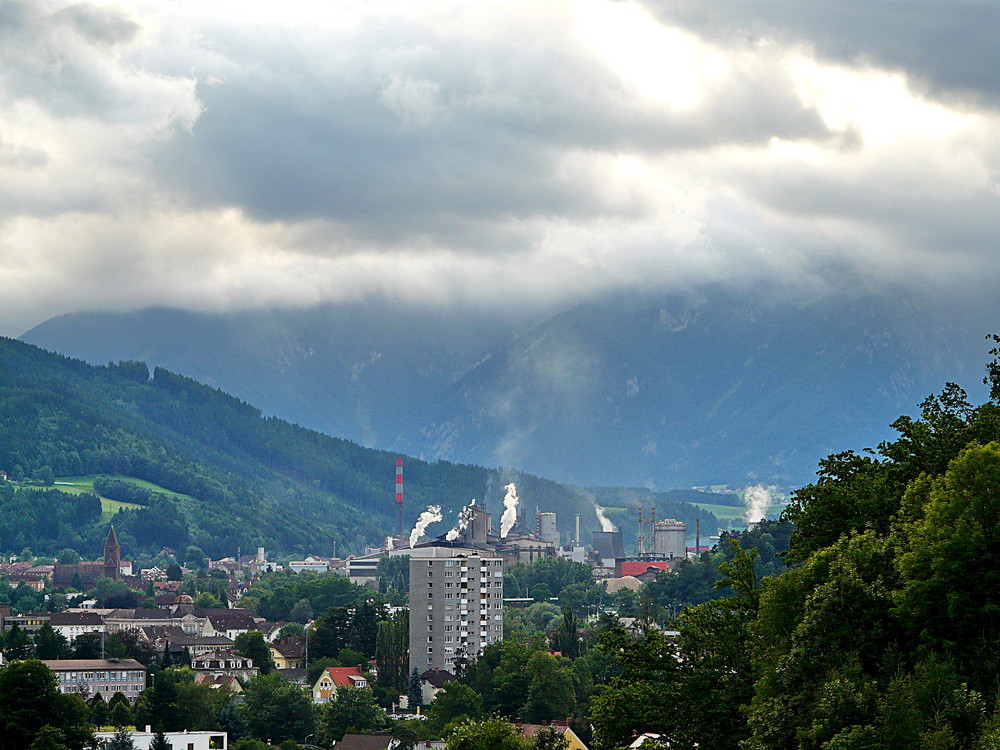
(220,156)
(402,135)
(950,48)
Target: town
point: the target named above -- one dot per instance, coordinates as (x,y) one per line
(409,622)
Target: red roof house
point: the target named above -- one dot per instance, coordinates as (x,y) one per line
(334,677)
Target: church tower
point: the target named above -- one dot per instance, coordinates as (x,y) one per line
(112,556)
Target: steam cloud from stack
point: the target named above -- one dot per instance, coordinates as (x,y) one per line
(509,517)
(757,500)
(606,525)
(429,516)
(464,517)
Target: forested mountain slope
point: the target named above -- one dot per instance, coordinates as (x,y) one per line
(253,480)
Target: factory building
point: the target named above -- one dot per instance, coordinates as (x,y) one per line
(609,547)
(670,539)
(545,528)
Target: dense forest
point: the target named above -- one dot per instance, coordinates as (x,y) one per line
(882,630)
(245,479)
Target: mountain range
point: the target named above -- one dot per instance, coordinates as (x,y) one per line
(712,387)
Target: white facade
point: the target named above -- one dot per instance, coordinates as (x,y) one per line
(177,740)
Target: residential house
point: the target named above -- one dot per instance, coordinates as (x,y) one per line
(229,622)
(224,663)
(229,682)
(323,690)
(174,639)
(289,653)
(34,581)
(298,676)
(432,682)
(575,743)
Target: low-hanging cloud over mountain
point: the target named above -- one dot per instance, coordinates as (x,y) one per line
(233,155)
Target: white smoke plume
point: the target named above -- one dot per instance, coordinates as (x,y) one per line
(757,500)
(389,544)
(429,516)
(509,517)
(464,516)
(606,525)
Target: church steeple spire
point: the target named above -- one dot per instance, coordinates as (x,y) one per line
(112,556)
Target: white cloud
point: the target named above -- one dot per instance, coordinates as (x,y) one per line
(217,156)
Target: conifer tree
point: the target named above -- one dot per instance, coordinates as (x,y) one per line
(415,696)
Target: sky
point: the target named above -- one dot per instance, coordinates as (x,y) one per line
(234,155)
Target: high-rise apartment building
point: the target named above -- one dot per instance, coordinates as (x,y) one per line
(456,605)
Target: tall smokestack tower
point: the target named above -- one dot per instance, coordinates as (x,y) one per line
(399,497)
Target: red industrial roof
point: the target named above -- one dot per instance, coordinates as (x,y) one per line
(636,567)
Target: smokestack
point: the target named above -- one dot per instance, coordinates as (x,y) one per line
(399,497)
(577,529)
(697,537)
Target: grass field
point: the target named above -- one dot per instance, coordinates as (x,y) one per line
(722,511)
(86,483)
(109,507)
